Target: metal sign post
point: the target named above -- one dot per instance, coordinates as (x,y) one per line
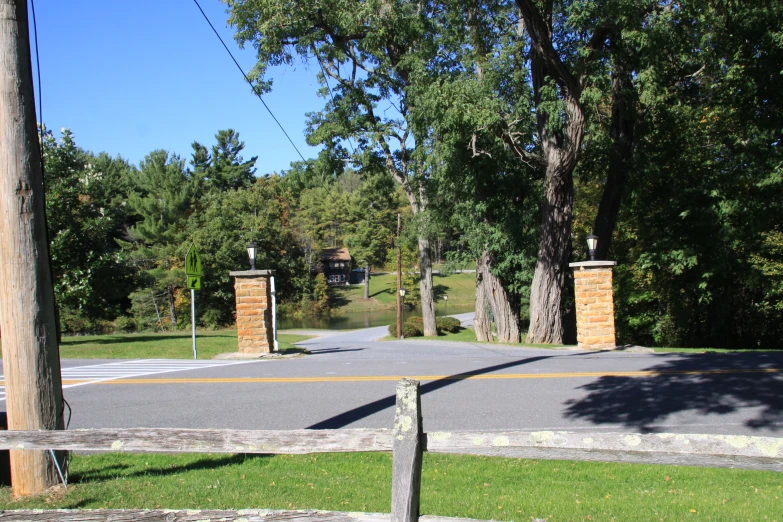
(193,270)
(193,320)
(276,346)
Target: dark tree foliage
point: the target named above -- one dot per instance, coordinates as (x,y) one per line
(699,232)
(86,215)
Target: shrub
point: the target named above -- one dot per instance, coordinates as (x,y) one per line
(408,330)
(412,330)
(418,321)
(74,323)
(124,323)
(448,324)
(321,294)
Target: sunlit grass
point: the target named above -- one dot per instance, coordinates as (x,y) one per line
(177,345)
(458,486)
(460,288)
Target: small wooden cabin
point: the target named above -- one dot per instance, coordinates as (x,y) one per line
(336,264)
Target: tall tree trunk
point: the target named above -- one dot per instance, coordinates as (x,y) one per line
(506,315)
(620,159)
(31,356)
(427,293)
(367,281)
(172,307)
(561,148)
(546,324)
(481,323)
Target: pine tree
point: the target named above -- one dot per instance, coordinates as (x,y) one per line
(163,198)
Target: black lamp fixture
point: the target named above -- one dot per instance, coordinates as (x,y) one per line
(402,292)
(252,250)
(592,245)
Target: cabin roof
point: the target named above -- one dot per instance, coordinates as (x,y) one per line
(335,254)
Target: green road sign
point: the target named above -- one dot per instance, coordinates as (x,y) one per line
(194,283)
(193,263)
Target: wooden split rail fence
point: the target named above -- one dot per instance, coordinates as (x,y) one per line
(406,440)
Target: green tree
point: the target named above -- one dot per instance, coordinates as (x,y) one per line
(162,197)
(477,109)
(373,213)
(695,238)
(372,51)
(85,212)
(222,229)
(225,168)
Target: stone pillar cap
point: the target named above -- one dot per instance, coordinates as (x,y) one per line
(251,273)
(592,264)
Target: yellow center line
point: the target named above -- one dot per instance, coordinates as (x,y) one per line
(459,377)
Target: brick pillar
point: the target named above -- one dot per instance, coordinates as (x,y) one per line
(594,304)
(255,329)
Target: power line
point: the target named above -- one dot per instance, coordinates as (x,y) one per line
(38,66)
(66,462)
(255,90)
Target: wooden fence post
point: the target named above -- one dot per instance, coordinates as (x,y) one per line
(407,448)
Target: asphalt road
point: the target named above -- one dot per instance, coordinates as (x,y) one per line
(349,381)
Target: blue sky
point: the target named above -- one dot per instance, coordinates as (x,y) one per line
(130,77)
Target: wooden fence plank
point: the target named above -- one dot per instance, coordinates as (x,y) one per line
(407,453)
(731,451)
(172,440)
(723,451)
(196,515)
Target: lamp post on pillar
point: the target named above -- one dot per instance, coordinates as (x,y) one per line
(255,304)
(594,301)
(252,250)
(592,245)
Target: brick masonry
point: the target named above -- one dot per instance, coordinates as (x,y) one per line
(253,290)
(594,307)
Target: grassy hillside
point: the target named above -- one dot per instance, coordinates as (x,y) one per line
(461,289)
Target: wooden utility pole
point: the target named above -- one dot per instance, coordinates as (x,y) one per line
(31,359)
(399,279)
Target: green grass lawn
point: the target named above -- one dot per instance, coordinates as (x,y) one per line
(176,345)
(461,289)
(458,486)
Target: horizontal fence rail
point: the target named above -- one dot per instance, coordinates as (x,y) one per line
(725,451)
(198,515)
(719,451)
(406,441)
(173,440)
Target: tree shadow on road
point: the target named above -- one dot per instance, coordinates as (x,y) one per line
(343,419)
(333,350)
(704,384)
